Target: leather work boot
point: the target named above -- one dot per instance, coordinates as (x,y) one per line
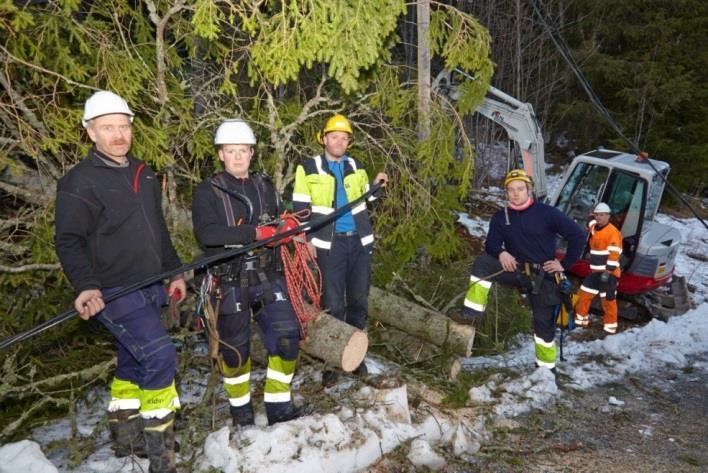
(242,415)
(361,371)
(463,318)
(160,444)
(289,413)
(329,378)
(126,430)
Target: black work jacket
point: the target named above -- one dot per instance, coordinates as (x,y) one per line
(110,230)
(211,223)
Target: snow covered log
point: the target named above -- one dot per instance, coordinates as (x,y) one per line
(329,339)
(421,322)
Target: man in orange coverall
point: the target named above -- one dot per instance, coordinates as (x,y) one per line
(605,251)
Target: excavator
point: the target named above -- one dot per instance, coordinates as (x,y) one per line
(631,185)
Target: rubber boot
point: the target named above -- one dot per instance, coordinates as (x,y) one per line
(242,415)
(285,411)
(126,429)
(160,444)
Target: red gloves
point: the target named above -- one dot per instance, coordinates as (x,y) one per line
(286,224)
(265,231)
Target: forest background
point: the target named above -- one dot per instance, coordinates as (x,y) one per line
(184,66)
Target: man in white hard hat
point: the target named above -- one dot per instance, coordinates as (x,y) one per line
(605,250)
(110,233)
(236,207)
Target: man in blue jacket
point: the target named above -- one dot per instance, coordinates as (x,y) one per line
(520,251)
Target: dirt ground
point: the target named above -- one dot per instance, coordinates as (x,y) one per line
(662,427)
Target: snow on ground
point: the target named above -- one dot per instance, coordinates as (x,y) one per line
(350,438)
(694,245)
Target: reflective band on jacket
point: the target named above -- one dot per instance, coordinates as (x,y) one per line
(615,249)
(325,245)
(367,240)
(240,401)
(599,252)
(318,209)
(359,208)
(301,197)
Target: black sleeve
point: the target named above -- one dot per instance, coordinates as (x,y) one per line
(209,221)
(76,215)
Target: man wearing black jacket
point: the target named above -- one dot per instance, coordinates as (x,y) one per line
(110,233)
(236,207)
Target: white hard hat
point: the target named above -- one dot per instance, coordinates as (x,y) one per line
(104,102)
(602,208)
(234,132)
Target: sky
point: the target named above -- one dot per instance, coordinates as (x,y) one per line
(356,433)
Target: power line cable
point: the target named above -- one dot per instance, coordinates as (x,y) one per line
(564,51)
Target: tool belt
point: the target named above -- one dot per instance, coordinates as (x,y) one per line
(535,275)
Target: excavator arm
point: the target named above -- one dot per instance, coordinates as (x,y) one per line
(517,118)
(520,123)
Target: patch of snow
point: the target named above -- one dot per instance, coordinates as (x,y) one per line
(422,454)
(24,455)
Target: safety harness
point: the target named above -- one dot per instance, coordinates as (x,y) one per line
(299,269)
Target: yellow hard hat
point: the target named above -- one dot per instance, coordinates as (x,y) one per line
(517,175)
(337,122)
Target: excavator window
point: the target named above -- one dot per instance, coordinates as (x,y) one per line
(625,196)
(581,191)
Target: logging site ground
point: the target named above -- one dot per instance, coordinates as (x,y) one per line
(631,402)
(634,401)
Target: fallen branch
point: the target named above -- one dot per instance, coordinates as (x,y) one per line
(29,267)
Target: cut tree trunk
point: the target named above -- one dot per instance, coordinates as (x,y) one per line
(329,339)
(421,322)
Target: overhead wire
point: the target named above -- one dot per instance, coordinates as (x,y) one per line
(565,53)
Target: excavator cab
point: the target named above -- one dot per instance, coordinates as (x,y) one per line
(633,190)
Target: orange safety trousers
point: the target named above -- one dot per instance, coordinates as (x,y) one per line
(609,307)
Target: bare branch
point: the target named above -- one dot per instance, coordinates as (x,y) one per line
(29,196)
(161,24)
(30,267)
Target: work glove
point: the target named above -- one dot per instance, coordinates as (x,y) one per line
(287,223)
(264,232)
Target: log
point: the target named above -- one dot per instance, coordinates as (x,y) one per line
(328,338)
(429,325)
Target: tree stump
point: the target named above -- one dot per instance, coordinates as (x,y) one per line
(328,338)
